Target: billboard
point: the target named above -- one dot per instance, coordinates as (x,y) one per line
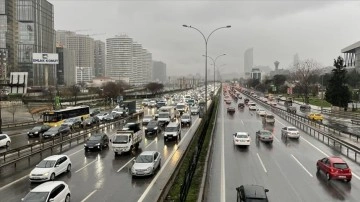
(46,58)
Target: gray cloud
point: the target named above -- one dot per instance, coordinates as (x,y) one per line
(275,29)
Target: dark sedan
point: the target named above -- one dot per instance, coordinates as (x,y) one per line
(91,121)
(38,130)
(152,127)
(97,141)
(264,136)
(57,131)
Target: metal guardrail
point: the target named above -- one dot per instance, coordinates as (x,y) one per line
(14,125)
(350,150)
(341,114)
(28,151)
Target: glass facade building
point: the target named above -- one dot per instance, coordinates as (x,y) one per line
(36,35)
(8,37)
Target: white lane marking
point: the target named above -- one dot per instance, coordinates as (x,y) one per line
(355,175)
(242,122)
(163,166)
(325,154)
(76,152)
(151,143)
(13,182)
(280,122)
(222,186)
(126,164)
(86,165)
(88,196)
(276,139)
(301,165)
(262,164)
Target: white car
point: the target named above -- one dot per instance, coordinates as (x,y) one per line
(4,140)
(290,132)
(152,103)
(260,112)
(55,191)
(146,163)
(147,119)
(242,139)
(252,106)
(50,167)
(145,102)
(102,116)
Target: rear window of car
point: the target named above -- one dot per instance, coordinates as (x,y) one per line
(340,165)
(317,114)
(242,136)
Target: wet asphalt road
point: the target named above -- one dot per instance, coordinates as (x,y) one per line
(96,176)
(286,168)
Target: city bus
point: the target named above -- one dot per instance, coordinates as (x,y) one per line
(57,117)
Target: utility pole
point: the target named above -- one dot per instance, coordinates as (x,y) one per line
(3,57)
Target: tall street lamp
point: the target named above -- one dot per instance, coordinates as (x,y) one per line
(206,39)
(214,63)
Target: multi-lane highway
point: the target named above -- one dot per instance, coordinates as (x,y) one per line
(287,167)
(95,176)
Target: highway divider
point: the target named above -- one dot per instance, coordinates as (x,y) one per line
(11,157)
(314,129)
(14,125)
(181,181)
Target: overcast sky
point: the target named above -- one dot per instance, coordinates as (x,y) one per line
(275,29)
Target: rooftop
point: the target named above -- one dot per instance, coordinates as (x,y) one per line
(351,48)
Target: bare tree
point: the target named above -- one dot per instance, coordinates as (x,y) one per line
(74,91)
(30,110)
(12,109)
(303,74)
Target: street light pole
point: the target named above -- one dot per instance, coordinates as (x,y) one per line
(206,39)
(214,63)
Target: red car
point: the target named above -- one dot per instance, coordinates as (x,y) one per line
(334,168)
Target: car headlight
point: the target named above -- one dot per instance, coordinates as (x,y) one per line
(149,169)
(45,174)
(155,128)
(36,132)
(98,144)
(85,145)
(52,134)
(132,169)
(145,128)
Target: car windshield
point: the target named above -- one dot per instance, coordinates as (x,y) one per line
(269,116)
(292,129)
(69,120)
(170,129)
(36,197)
(195,108)
(180,106)
(163,115)
(340,165)
(37,128)
(54,129)
(265,133)
(185,117)
(242,136)
(252,104)
(152,124)
(144,159)
(46,164)
(120,139)
(147,117)
(95,138)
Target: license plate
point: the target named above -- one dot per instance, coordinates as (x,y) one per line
(36,177)
(342,176)
(90,147)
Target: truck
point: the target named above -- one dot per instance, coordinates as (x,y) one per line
(167,114)
(130,106)
(125,141)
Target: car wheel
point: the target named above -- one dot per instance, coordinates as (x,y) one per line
(67,199)
(348,180)
(52,177)
(317,169)
(8,144)
(68,169)
(328,176)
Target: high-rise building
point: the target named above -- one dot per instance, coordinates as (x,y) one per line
(61,37)
(296,59)
(66,71)
(8,37)
(276,63)
(119,60)
(159,71)
(83,74)
(36,35)
(99,63)
(248,60)
(147,69)
(84,48)
(138,55)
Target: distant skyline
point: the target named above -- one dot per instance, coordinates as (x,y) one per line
(276,30)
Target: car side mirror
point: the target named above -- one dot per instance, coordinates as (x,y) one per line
(22,199)
(57,165)
(110,140)
(266,190)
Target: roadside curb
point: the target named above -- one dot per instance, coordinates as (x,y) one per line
(206,170)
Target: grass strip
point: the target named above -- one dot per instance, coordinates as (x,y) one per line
(174,193)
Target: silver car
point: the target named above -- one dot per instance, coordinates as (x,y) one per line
(290,132)
(146,163)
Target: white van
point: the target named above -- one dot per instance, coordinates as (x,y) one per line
(252,106)
(172,131)
(166,114)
